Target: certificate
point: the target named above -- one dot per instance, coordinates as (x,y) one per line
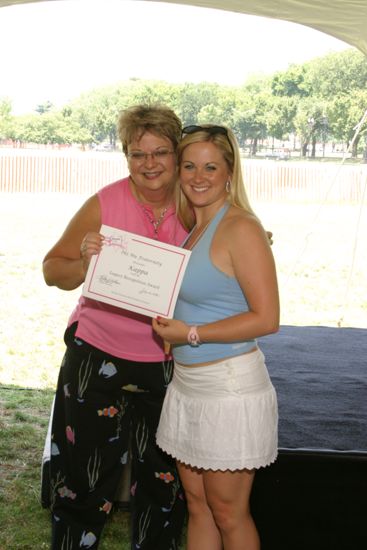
(136,273)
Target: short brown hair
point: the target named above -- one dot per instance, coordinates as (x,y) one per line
(158,119)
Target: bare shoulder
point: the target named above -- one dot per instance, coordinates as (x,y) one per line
(88,217)
(242,225)
(90,209)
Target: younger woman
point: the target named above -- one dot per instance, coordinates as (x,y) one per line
(219,418)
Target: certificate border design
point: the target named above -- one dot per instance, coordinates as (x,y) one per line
(89,292)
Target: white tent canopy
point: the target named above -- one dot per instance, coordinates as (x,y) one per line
(343,19)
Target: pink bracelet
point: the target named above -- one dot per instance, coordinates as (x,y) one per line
(193,337)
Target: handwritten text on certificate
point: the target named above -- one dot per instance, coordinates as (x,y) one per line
(136,273)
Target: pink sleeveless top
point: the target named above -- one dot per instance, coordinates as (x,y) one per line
(117,331)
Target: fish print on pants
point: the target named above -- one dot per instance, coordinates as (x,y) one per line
(55,451)
(166,477)
(107,507)
(87,540)
(65,492)
(108,411)
(133,388)
(107,369)
(70,434)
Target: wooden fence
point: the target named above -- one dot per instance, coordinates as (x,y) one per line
(24,171)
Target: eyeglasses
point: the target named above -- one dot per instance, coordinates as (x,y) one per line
(141,156)
(211,130)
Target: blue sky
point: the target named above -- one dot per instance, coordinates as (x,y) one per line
(56,50)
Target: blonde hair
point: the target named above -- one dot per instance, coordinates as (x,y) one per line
(227,144)
(134,121)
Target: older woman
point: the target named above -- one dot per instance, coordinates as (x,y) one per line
(219,418)
(114,373)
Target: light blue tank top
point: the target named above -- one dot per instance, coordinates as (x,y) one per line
(207,295)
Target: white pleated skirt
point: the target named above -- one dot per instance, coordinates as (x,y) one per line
(222,416)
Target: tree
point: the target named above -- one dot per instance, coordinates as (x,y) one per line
(311,124)
(50,128)
(97,112)
(291,82)
(153,91)
(321,98)
(337,74)
(280,118)
(6,119)
(44,107)
(250,118)
(222,110)
(344,113)
(192,98)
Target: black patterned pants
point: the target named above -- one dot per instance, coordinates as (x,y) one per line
(103,407)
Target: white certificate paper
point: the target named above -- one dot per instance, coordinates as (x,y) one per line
(136,273)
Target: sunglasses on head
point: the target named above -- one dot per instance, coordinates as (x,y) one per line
(211,130)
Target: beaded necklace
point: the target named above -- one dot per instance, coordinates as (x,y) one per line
(155,223)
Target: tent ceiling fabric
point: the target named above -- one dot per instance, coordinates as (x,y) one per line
(343,19)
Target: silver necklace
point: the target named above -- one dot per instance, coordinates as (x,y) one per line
(155,223)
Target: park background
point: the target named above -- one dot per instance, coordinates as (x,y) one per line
(319,227)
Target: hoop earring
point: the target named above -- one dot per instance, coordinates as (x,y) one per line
(228,186)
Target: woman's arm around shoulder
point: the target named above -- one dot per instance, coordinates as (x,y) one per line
(66,264)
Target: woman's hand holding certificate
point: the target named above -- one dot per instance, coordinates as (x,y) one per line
(136,273)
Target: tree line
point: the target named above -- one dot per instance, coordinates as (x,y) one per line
(317,102)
